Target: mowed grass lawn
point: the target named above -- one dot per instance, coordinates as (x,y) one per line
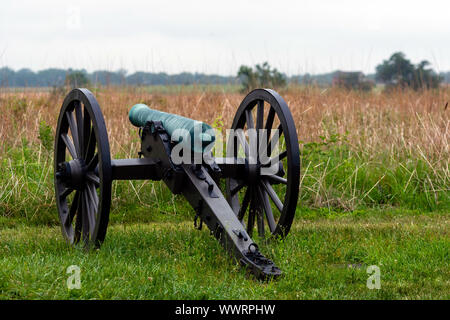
(325,256)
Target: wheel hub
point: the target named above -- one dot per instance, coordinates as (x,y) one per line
(258,170)
(73,173)
(253,171)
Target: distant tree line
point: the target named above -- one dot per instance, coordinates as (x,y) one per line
(61,77)
(396,71)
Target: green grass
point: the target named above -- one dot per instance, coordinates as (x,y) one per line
(334,177)
(355,210)
(324,257)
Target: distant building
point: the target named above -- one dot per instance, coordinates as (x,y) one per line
(352,80)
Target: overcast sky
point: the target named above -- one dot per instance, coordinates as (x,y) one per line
(218,36)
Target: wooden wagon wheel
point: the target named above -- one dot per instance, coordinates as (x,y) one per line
(82,169)
(269,199)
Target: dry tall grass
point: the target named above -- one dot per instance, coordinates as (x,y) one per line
(403,126)
(406,122)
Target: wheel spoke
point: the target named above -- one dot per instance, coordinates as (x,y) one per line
(282,155)
(276,179)
(260,222)
(259,124)
(245,203)
(93,163)
(260,115)
(87,132)
(65,193)
(249,118)
(93,194)
(90,211)
(73,209)
(243,142)
(93,205)
(259,212)
(274,140)
(93,178)
(274,160)
(85,219)
(268,127)
(269,122)
(273,195)
(78,221)
(90,149)
(237,188)
(69,145)
(66,216)
(267,209)
(74,130)
(79,117)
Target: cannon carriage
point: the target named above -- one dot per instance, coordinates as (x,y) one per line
(260,190)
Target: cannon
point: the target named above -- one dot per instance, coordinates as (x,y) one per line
(252,188)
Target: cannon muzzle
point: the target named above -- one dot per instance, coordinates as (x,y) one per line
(197,134)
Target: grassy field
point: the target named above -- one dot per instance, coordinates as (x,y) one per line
(374,191)
(325,257)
